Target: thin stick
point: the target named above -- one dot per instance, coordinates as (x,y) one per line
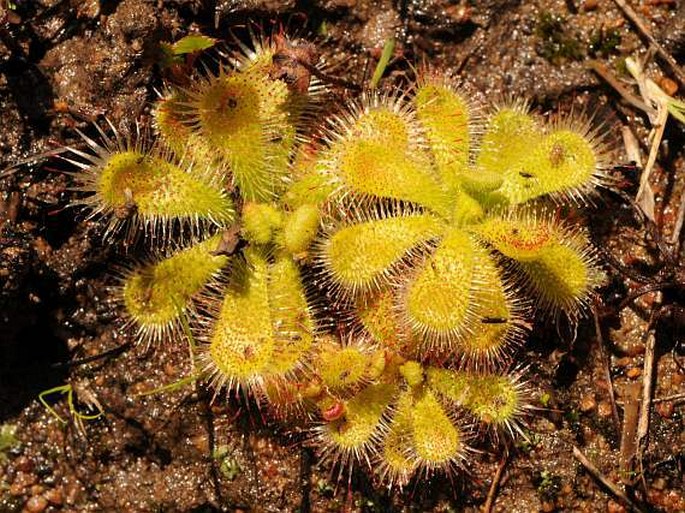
(629,433)
(675,236)
(89,359)
(647,33)
(492,493)
(606,75)
(631,145)
(676,398)
(607,372)
(646,404)
(662,117)
(594,472)
(469,53)
(31,160)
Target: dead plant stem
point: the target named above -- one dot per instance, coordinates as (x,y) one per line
(607,372)
(492,493)
(646,404)
(610,485)
(647,34)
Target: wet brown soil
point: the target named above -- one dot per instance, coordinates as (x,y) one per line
(67,63)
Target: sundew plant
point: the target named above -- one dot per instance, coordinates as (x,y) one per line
(369,270)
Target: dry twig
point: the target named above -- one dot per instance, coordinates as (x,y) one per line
(657,100)
(492,493)
(660,126)
(631,145)
(611,486)
(647,33)
(646,404)
(657,105)
(631,411)
(610,79)
(675,236)
(607,371)
(676,399)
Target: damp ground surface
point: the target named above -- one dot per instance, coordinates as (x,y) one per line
(65,64)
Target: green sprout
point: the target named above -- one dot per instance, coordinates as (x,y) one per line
(172,53)
(386,55)
(548,485)
(78,415)
(545,399)
(604,41)
(557,45)
(228,465)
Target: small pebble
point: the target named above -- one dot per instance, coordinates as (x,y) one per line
(36,504)
(615,507)
(55,496)
(547,507)
(459,13)
(659,483)
(635,350)
(588,403)
(139,387)
(623,361)
(23,464)
(200,442)
(42,247)
(668,85)
(73,492)
(604,409)
(602,384)
(24,480)
(634,372)
(88,9)
(36,489)
(645,11)
(674,501)
(590,5)
(665,409)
